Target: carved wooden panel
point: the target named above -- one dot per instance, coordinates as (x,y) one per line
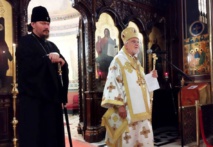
(127,10)
(23,13)
(188,125)
(5,119)
(4,123)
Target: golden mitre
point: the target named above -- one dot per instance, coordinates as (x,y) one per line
(128,33)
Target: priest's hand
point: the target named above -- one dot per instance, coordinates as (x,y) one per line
(61,61)
(154,73)
(55,58)
(122,112)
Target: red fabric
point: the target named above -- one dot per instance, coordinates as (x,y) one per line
(74,104)
(188,96)
(78,143)
(202,130)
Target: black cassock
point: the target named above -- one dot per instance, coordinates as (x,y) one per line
(41,94)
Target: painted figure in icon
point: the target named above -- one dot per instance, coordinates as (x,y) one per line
(5,55)
(106,49)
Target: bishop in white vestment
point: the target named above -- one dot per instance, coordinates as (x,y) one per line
(126,96)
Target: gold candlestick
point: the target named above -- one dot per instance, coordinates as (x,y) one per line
(14,93)
(14,63)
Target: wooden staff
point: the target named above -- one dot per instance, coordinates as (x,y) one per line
(154,56)
(65,109)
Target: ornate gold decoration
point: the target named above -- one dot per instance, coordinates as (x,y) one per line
(1,10)
(134,64)
(14,121)
(154,56)
(128,67)
(140,81)
(115,118)
(14,93)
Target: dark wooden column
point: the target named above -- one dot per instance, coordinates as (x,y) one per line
(5,119)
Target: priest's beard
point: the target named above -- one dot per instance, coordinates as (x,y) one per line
(45,36)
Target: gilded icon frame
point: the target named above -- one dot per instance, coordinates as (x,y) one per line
(6,43)
(106,46)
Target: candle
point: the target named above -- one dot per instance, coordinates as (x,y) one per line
(166,74)
(14,63)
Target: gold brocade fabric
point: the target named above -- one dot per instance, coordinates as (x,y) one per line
(125,85)
(136,66)
(114,124)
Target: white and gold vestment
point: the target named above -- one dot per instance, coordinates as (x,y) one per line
(125,85)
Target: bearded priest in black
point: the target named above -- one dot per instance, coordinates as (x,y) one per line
(41,92)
